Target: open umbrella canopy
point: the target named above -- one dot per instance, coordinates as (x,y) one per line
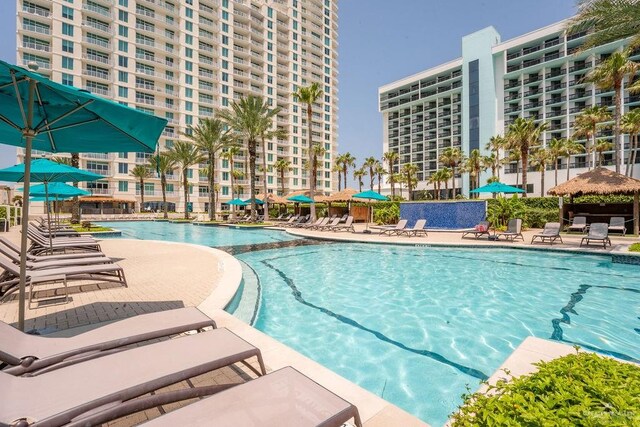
(300,198)
(67,119)
(58,190)
(258,201)
(43,170)
(237,202)
(50,199)
(371,195)
(497,187)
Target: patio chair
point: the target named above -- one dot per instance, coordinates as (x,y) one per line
(44,263)
(418,228)
(347,226)
(14,248)
(324,222)
(320,221)
(616,224)
(579,224)
(291,220)
(103,389)
(65,238)
(599,232)
(40,244)
(514,230)
(344,217)
(293,399)
(479,230)
(395,229)
(328,226)
(24,352)
(298,222)
(550,233)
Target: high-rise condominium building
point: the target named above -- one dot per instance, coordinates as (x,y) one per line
(183,59)
(465,102)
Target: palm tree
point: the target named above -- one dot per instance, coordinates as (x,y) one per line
(539,160)
(347,161)
(436,178)
(308,96)
(610,74)
(337,168)
(410,179)
(443,175)
(359,174)
(371,163)
(587,124)
(570,148)
(491,162)
(398,178)
(228,155)
(186,154)
(380,172)
(601,146)
(391,157)
(62,160)
(495,144)
(269,133)
(474,166)
(282,166)
(514,156)
(210,136)
(141,172)
(607,21)
(555,149)
(522,134)
(631,124)
(318,150)
(247,117)
(452,157)
(164,164)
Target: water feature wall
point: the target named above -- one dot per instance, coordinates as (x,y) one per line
(446,215)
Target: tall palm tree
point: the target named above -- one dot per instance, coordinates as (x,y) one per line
(247,117)
(631,125)
(318,151)
(452,157)
(359,174)
(608,21)
(523,134)
(347,161)
(269,133)
(409,171)
(514,156)
(186,154)
(337,168)
(380,172)
(141,173)
(309,95)
(282,165)
(371,163)
(398,178)
(436,178)
(495,144)
(228,155)
(210,136)
(587,124)
(555,149)
(164,164)
(540,160)
(62,160)
(492,162)
(474,166)
(601,146)
(391,157)
(571,148)
(610,74)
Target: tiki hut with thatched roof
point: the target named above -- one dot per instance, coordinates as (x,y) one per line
(600,181)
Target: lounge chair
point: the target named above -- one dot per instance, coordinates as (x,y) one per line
(616,224)
(550,233)
(30,257)
(318,222)
(418,228)
(44,263)
(599,232)
(298,222)
(395,229)
(99,390)
(347,226)
(328,226)
(282,398)
(479,230)
(40,244)
(32,353)
(291,220)
(579,224)
(514,230)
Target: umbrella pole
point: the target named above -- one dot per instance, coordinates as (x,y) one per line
(46,198)
(29,134)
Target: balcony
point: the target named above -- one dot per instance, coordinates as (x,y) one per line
(35,10)
(37,29)
(97,9)
(98,74)
(36,46)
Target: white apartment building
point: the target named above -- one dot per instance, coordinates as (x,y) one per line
(465,102)
(182,60)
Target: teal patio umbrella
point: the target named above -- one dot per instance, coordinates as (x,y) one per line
(497,187)
(258,201)
(300,198)
(237,202)
(369,195)
(36,113)
(56,191)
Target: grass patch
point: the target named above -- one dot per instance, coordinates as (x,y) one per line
(251,224)
(93,228)
(579,389)
(635,247)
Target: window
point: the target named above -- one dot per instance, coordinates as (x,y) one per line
(123,186)
(67,79)
(67,29)
(123,31)
(123,168)
(67,46)
(123,76)
(123,61)
(189,173)
(123,92)
(123,46)
(67,63)
(124,3)
(67,12)
(170,188)
(123,15)
(225,191)
(123,155)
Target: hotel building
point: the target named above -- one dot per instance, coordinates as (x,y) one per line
(463,103)
(182,60)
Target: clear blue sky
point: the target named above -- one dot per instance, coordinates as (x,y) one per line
(382,41)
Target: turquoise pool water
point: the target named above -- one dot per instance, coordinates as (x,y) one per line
(201,235)
(416,325)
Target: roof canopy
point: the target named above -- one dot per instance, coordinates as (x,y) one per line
(342,196)
(597,181)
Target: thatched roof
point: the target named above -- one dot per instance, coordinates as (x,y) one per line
(597,181)
(342,196)
(272,198)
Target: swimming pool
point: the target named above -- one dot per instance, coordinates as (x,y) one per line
(416,325)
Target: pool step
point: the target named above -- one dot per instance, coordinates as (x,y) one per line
(249,302)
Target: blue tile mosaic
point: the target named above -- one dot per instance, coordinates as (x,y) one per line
(445,215)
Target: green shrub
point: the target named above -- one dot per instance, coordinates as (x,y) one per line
(536,218)
(580,389)
(612,198)
(389,214)
(535,211)
(540,202)
(635,247)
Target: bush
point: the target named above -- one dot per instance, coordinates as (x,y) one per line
(635,247)
(388,214)
(540,202)
(613,198)
(579,389)
(536,218)
(535,211)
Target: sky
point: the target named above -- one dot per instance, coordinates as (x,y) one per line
(381,41)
